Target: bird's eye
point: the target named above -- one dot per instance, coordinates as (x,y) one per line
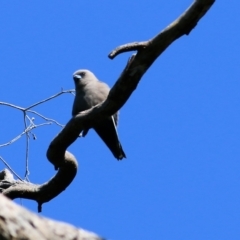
(82,74)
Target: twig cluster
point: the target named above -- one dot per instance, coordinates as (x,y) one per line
(29,125)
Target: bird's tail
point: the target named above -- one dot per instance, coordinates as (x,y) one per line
(108,133)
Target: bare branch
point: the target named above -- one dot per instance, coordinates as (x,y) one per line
(46,119)
(50,98)
(136,67)
(27,109)
(27,145)
(32,125)
(127,82)
(11,105)
(46,191)
(181,26)
(29,128)
(127,48)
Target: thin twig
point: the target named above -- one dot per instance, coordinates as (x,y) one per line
(11,105)
(71,91)
(31,111)
(46,119)
(8,166)
(27,173)
(27,129)
(24,132)
(47,99)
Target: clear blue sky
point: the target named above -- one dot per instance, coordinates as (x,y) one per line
(180,129)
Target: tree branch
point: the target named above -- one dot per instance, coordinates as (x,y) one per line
(45,192)
(147,53)
(127,48)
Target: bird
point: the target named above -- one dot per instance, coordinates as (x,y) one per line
(89,91)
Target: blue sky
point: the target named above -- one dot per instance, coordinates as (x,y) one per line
(180,129)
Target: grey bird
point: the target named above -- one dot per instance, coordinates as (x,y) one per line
(90,92)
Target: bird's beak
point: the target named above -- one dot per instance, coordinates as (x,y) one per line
(76,77)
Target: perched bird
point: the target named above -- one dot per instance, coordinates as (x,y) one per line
(90,92)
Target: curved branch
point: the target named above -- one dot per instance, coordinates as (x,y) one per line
(128,81)
(44,192)
(144,58)
(119,94)
(127,48)
(181,26)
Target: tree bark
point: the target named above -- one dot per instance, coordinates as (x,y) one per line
(18,223)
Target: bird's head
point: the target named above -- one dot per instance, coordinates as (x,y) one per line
(83,77)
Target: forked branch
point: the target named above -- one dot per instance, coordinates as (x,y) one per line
(147,53)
